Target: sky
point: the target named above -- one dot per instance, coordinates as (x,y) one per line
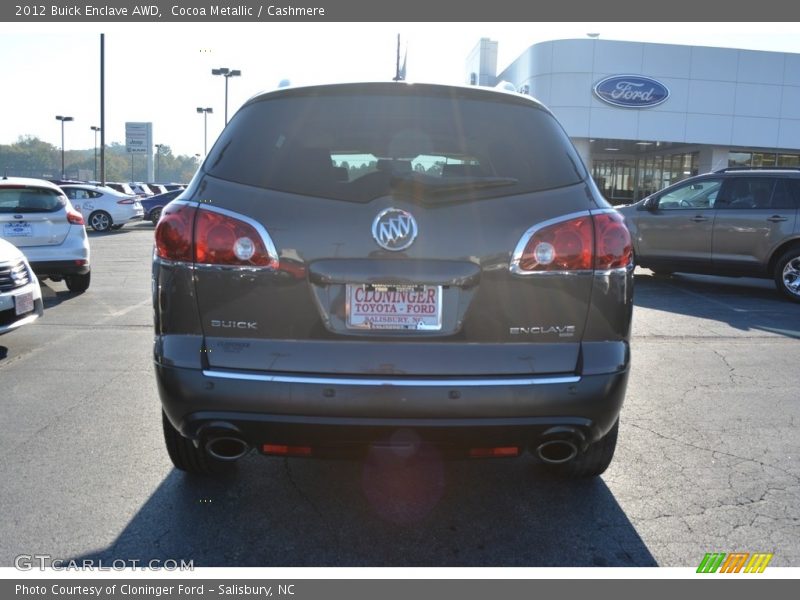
(161,72)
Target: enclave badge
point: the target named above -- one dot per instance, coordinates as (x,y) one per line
(394,229)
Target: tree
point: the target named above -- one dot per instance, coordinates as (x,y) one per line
(32,157)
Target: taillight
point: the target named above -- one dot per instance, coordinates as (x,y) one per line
(613,247)
(582,243)
(126,201)
(174,232)
(221,239)
(74,217)
(211,237)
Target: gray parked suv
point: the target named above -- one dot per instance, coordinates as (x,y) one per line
(739,222)
(392,265)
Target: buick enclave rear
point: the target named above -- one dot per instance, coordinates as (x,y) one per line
(397,265)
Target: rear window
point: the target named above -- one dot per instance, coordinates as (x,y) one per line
(29,199)
(358,147)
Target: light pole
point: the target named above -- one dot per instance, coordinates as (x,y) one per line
(227,73)
(95,128)
(158,154)
(62,119)
(205,112)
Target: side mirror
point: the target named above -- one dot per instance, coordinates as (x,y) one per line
(651,204)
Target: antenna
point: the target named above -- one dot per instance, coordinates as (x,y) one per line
(400,72)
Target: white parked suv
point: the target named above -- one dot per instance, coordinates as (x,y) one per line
(20,295)
(37,218)
(102,207)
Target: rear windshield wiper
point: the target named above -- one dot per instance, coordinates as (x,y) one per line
(443,185)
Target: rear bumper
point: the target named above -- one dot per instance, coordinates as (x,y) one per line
(60,267)
(340,412)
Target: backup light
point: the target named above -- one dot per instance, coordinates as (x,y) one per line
(244,248)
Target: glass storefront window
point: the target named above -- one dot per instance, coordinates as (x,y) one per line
(739,159)
(761,159)
(789,160)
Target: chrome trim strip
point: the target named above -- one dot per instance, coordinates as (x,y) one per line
(396,382)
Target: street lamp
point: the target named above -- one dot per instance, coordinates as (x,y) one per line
(158,154)
(62,119)
(227,73)
(205,112)
(95,128)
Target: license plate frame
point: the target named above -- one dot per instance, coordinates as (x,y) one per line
(17,229)
(23,303)
(362,312)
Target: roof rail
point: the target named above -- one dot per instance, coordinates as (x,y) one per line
(728,169)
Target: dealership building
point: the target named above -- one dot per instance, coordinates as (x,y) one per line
(646,115)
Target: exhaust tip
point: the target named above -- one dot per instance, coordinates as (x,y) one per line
(556,452)
(227,448)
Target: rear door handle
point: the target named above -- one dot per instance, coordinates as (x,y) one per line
(777,219)
(699,219)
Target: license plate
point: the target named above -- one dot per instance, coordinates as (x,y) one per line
(394,307)
(19,229)
(23,303)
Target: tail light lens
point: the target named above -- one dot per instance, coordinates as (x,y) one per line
(174,232)
(600,241)
(74,217)
(613,247)
(126,201)
(224,240)
(187,234)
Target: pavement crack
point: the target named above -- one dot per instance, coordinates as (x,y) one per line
(715,453)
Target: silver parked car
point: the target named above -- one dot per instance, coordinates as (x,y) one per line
(20,295)
(736,222)
(39,219)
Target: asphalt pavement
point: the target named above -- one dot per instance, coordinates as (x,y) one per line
(707,459)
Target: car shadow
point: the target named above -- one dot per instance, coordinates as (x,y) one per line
(52,297)
(746,304)
(380,512)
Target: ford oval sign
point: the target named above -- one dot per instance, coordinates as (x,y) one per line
(631,91)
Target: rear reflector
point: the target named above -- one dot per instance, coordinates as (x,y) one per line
(283,450)
(496,452)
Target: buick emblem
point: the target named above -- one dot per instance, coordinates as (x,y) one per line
(394,229)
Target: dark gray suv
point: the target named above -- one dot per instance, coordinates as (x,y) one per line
(391,265)
(735,222)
